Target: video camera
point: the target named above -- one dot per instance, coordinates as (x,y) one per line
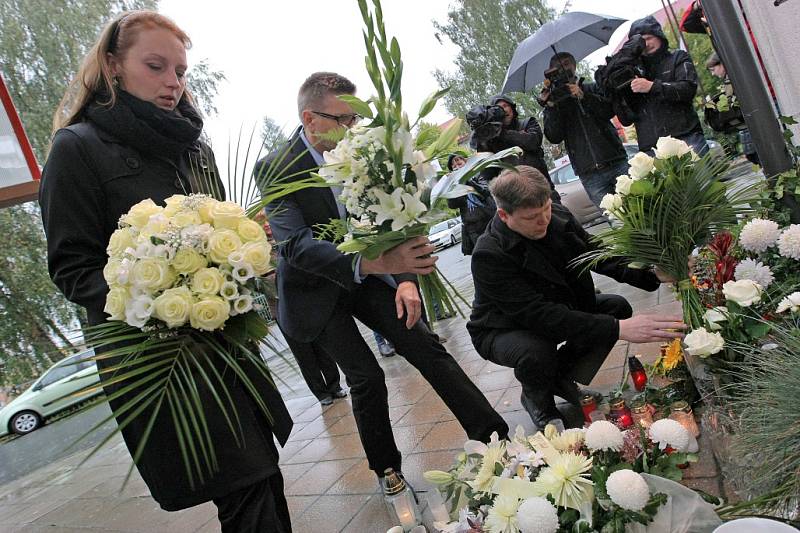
(486,122)
(621,68)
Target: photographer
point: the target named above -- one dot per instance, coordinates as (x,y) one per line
(578,114)
(653,88)
(497,127)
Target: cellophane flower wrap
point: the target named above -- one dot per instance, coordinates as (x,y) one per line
(391,188)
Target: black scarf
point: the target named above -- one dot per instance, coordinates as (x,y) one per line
(147,127)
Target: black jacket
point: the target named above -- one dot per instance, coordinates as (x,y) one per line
(89,181)
(517,286)
(312,273)
(667,109)
(585,128)
(476,210)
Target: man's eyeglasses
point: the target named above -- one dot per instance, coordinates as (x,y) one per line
(345,119)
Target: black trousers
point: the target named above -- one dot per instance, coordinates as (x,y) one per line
(257,508)
(317,367)
(539,362)
(373,304)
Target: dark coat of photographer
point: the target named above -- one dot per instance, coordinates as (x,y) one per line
(661,103)
(579,114)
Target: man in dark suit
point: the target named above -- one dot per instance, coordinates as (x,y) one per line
(321,290)
(529,300)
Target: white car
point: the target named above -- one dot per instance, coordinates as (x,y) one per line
(446,233)
(65,384)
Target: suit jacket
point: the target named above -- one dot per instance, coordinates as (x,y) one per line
(518,287)
(312,273)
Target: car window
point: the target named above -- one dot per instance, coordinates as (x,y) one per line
(441,226)
(66,367)
(565,174)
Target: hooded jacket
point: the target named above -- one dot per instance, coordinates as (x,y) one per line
(667,109)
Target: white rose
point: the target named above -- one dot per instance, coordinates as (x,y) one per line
(209,313)
(743,292)
(611,202)
(152,274)
(120,240)
(702,343)
(667,147)
(187,261)
(183,219)
(226,215)
(250,230)
(256,254)
(207,281)
(173,306)
(791,303)
(624,183)
(714,316)
(156,225)
(115,303)
(641,165)
(223,243)
(139,214)
(111,271)
(173,204)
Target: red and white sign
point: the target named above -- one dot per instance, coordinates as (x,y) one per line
(19,171)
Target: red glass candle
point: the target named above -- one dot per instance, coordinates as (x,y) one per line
(621,414)
(588,404)
(638,375)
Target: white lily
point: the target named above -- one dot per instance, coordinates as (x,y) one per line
(390,206)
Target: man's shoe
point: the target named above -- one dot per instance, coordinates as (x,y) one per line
(386,349)
(341,393)
(326,400)
(567,389)
(539,415)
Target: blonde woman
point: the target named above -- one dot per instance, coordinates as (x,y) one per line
(126,131)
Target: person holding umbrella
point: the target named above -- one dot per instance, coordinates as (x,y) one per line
(581,118)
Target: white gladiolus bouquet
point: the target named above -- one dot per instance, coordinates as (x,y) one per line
(391,188)
(193,262)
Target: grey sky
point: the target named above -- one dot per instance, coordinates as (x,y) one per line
(267,48)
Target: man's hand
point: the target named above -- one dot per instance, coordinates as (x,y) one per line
(544,95)
(575,91)
(407,301)
(411,257)
(651,328)
(641,85)
(662,276)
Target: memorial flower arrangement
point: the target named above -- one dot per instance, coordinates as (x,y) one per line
(390,186)
(579,480)
(669,205)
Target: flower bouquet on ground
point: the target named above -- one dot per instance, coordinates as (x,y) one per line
(389,186)
(668,206)
(580,480)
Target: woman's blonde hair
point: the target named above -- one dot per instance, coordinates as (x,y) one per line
(94,76)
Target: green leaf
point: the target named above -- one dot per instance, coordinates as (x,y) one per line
(359,106)
(756,330)
(641,187)
(430,102)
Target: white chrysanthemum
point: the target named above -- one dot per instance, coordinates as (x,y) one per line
(789,242)
(493,455)
(758,235)
(790,303)
(628,489)
(566,479)
(568,440)
(502,517)
(537,515)
(668,432)
(754,271)
(603,435)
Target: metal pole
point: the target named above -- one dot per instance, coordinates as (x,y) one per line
(732,42)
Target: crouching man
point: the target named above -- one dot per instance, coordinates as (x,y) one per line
(538,314)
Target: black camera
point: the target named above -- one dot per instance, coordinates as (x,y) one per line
(559,79)
(621,68)
(486,122)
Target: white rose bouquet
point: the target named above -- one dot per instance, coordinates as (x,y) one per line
(666,207)
(389,186)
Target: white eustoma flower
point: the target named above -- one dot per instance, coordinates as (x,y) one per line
(714,316)
(138,310)
(790,303)
(243,272)
(624,183)
(667,147)
(745,292)
(641,165)
(702,343)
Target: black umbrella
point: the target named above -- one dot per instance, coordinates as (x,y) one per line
(578,33)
